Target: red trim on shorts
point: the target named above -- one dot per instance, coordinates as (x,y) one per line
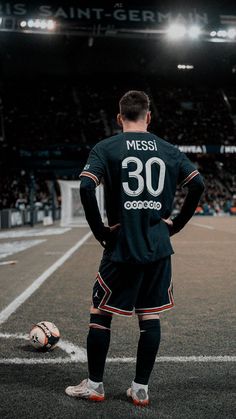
(108,292)
(155,310)
(91,176)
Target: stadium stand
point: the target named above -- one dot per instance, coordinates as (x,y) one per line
(65,120)
(72,114)
(190,115)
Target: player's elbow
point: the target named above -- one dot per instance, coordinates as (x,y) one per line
(87,184)
(197,185)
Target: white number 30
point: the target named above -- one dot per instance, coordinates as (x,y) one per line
(137,175)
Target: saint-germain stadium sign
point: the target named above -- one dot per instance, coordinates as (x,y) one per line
(98,14)
(116,15)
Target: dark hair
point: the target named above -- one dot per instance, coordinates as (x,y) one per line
(134,105)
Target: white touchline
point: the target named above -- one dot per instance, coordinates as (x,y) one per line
(15,304)
(161,359)
(33,232)
(190,358)
(34,361)
(10,248)
(78,354)
(9,262)
(202,225)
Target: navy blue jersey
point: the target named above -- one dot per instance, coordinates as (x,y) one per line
(140,172)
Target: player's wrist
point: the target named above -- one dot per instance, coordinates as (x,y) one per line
(175,227)
(103,235)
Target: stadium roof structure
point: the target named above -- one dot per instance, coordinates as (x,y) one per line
(121,19)
(158,38)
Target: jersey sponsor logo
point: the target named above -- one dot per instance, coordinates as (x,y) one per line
(141,145)
(142,205)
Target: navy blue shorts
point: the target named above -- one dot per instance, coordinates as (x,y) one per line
(122,288)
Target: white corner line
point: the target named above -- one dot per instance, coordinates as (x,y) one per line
(15,304)
(203,226)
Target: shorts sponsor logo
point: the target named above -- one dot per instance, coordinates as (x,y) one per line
(142,205)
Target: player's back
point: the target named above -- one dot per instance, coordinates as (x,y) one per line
(140,177)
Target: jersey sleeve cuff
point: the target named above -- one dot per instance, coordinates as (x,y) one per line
(188,178)
(91,176)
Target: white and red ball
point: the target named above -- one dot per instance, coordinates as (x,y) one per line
(44,335)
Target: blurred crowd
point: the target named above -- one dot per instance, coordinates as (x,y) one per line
(54,116)
(15,192)
(193,116)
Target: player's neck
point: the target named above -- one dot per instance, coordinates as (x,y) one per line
(135,127)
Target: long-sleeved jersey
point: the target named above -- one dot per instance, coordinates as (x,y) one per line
(140,172)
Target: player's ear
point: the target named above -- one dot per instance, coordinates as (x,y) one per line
(148,118)
(119,120)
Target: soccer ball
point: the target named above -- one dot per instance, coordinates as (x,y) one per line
(44,335)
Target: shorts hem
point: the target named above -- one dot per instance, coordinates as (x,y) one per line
(114,310)
(154,311)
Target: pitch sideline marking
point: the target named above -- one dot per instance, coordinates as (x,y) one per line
(49,231)
(8,262)
(13,247)
(203,226)
(15,304)
(78,354)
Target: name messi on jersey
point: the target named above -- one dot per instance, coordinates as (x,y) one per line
(141,145)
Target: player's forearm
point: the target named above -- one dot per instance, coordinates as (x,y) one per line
(189,206)
(92,213)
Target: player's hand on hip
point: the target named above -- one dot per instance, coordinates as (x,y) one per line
(110,236)
(168,221)
(170,224)
(112,228)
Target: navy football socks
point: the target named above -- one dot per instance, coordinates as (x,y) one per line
(98,342)
(149,341)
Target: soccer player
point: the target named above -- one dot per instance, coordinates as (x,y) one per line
(140,172)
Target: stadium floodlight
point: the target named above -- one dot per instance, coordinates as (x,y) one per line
(23,24)
(231,33)
(51,25)
(176,31)
(37,23)
(213,33)
(185,67)
(194,32)
(43,24)
(30,23)
(221,34)
(40,24)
